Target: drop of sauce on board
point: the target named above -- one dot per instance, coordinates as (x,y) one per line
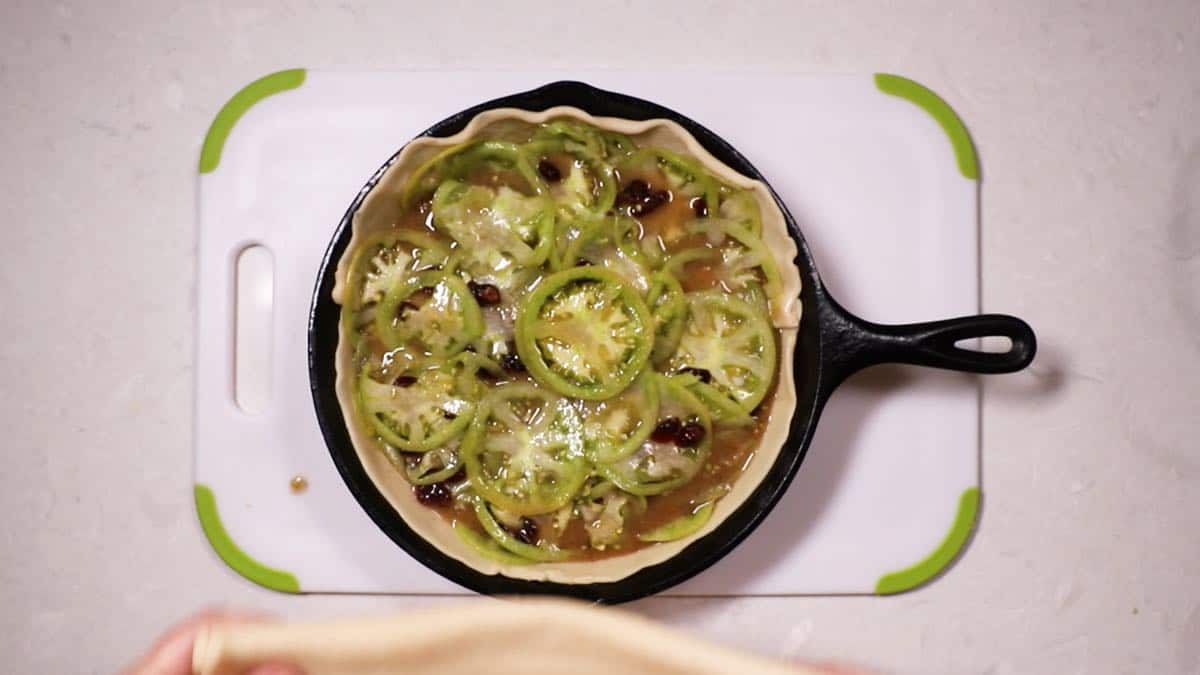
(298,484)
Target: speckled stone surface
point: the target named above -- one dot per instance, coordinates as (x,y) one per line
(1085,115)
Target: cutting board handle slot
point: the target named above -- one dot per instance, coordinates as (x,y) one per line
(254,305)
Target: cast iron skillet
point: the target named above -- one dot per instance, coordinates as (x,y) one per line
(831,345)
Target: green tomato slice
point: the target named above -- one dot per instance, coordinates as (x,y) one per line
(684,174)
(486,546)
(524,452)
(461,161)
(605,509)
(498,228)
(668,306)
(584,333)
(614,428)
(744,258)
(655,468)
(741,207)
(389,258)
(425,414)
(733,341)
(680,527)
(611,243)
(443,324)
(722,408)
(433,466)
(510,543)
(581,138)
(590,186)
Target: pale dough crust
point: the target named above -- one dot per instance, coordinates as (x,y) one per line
(487,636)
(379,210)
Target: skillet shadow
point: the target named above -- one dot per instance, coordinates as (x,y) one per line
(802,507)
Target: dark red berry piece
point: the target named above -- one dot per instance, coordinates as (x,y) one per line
(633,193)
(405,381)
(700,373)
(700,207)
(650,203)
(690,435)
(528,532)
(512,363)
(547,170)
(485,294)
(434,494)
(665,430)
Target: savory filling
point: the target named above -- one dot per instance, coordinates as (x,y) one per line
(564,343)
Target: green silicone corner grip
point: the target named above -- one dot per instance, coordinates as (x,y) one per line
(924,571)
(964,150)
(236,558)
(218,132)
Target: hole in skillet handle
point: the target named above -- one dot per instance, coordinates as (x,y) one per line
(852,343)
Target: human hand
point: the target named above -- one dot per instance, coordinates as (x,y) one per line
(172,653)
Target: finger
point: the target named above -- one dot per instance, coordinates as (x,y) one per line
(172,653)
(274,669)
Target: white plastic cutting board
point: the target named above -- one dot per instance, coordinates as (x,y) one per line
(872,179)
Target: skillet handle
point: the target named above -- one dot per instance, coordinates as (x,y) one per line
(854,343)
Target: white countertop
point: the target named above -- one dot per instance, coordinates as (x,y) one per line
(1085,117)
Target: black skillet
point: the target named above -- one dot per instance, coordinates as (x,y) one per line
(832,344)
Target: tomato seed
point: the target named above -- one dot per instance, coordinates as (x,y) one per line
(700,207)
(405,381)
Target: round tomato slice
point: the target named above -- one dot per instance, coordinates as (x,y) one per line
(744,259)
(535,552)
(683,174)
(434,312)
(524,451)
(654,468)
(589,186)
(462,161)
(389,258)
(584,333)
(614,428)
(731,339)
(668,306)
(416,412)
(433,466)
(722,408)
(611,243)
(741,207)
(496,229)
